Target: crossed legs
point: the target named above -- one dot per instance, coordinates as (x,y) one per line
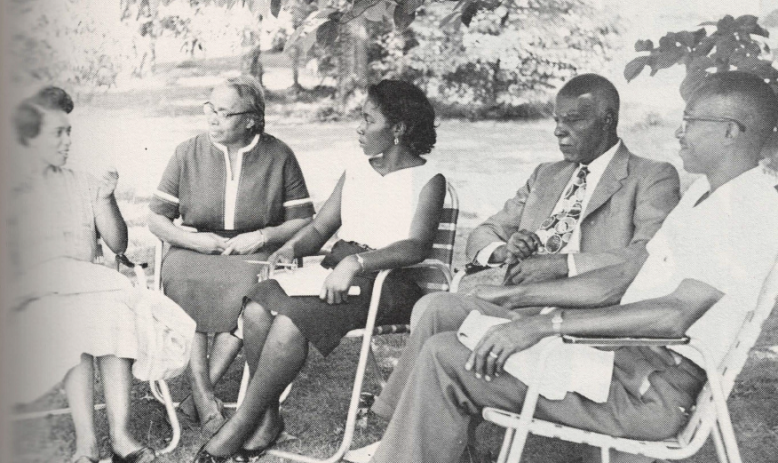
(79,387)
(276,349)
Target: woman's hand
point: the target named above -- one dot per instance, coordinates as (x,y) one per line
(500,342)
(245,243)
(337,284)
(207,243)
(283,255)
(108,184)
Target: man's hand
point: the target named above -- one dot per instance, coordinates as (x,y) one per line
(521,245)
(500,342)
(207,243)
(492,293)
(537,268)
(108,183)
(337,284)
(245,243)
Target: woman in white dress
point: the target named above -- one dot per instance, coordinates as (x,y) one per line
(68,311)
(386,211)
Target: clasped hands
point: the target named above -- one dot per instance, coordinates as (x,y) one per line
(524,264)
(211,243)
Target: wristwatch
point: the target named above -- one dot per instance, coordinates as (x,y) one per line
(556,322)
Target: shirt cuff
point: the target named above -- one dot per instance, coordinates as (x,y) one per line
(482,258)
(571,269)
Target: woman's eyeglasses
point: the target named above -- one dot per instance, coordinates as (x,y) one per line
(210,110)
(687,119)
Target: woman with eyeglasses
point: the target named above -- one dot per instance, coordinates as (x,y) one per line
(240,194)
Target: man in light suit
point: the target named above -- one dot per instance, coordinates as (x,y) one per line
(597,207)
(623,203)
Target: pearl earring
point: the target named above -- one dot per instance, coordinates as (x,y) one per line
(396,141)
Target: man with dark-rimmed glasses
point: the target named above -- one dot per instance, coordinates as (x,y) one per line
(704,271)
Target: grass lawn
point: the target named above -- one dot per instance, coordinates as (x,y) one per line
(136,131)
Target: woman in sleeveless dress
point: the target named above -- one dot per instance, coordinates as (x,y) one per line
(386,211)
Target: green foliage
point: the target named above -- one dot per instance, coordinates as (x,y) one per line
(734,44)
(506,58)
(67,41)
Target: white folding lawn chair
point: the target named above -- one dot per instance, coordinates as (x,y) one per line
(159,388)
(710,416)
(434,274)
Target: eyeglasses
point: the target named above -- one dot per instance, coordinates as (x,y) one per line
(210,110)
(687,119)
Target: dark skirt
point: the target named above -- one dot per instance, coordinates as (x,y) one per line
(210,288)
(325,325)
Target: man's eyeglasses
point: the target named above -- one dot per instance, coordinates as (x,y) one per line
(687,119)
(210,110)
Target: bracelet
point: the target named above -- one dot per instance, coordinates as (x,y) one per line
(361,262)
(556,322)
(262,239)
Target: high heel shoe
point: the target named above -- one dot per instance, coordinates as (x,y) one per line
(202,456)
(246,455)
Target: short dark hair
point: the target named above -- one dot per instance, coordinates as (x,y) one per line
(401,101)
(596,84)
(29,114)
(749,92)
(250,91)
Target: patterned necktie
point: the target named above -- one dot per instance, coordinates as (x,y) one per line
(555,231)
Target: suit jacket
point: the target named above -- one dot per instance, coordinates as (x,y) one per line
(627,207)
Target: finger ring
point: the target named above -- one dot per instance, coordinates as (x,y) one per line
(493,355)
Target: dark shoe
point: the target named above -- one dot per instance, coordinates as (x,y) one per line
(142,455)
(247,455)
(202,456)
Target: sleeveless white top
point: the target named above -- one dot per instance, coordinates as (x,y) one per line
(377,210)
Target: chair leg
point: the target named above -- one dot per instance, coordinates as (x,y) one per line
(506,445)
(161,391)
(718,443)
(375,368)
(605,455)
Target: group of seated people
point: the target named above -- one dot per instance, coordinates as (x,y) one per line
(602,235)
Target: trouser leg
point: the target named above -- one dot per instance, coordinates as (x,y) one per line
(441,312)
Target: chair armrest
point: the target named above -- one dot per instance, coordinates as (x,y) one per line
(470,269)
(623,341)
(121,259)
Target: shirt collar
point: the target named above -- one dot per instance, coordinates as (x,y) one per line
(599,165)
(245,149)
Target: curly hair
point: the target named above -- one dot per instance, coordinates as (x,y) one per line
(403,102)
(29,114)
(250,92)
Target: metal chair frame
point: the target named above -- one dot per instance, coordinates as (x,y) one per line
(710,418)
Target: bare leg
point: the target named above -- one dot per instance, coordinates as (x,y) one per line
(225,349)
(256,325)
(117,381)
(200,382)
(80,390)
(282,358)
